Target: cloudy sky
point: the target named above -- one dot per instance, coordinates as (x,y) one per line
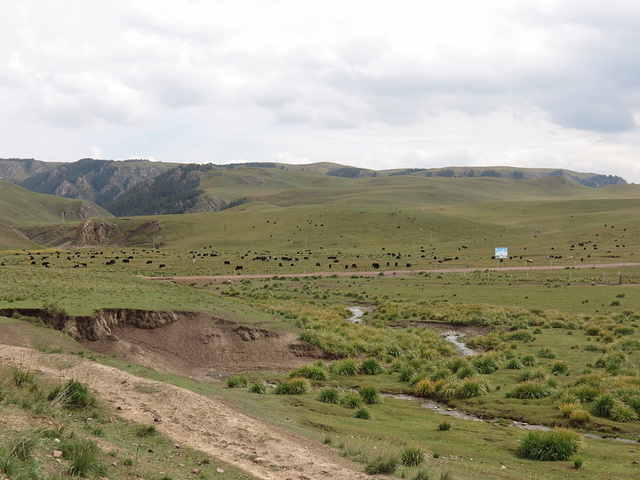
(530,83)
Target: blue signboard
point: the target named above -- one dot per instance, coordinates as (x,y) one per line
(502,252)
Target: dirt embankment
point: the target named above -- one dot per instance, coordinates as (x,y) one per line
(182,342)
(203,423)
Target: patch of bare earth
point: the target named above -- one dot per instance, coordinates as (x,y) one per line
(199,343)
(203,423)
(181,342)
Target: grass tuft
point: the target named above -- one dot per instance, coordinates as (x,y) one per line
(556,445)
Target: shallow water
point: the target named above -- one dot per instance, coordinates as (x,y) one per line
(357,315)
(453,337)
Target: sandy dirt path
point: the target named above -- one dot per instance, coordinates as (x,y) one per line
(196,421)
(375,273)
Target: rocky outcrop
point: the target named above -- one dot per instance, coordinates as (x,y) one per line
(253,180)
(209,203)
(94,232)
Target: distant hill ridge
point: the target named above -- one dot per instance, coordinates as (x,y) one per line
(143,187)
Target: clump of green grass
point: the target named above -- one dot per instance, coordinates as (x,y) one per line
(603,405)
(237,381)
(577,463)
(21,446)
(369,395)
(84,457)
(547,352)
(259,388)
(557,445)
(622,413)
(384,464)
(443,426)
(466,371)
(145,431)
(567,408)
(424,388)
(329,395)
(560,368)
(529,360)
(21,378)
(486,365)
(363,414)
(371,366)
(72,395)
(472,387)
(514,364)
(412,456)
(312,372)
(293,386)
(345,368)
(579,417)
(532,375)
(529,390)
(352,400)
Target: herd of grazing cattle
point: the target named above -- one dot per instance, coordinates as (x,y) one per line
(157,259)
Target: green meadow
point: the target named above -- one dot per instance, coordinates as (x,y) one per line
(558,349)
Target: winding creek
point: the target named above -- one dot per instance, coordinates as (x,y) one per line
(455,337)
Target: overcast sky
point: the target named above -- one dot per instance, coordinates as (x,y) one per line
(379,84)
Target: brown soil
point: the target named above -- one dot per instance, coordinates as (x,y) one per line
(200,422)
(186,343)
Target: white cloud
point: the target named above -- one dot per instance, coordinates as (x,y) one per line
(532,82)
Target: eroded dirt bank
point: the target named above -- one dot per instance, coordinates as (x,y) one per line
(187,343)
(204,423)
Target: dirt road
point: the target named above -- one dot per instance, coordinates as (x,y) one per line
(200,422)
(375,273)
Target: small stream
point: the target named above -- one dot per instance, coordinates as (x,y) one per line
(357,315)
(455,338)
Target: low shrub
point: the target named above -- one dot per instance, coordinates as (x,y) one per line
(329,395)
(412,456)
(529,361)
(293,386)
(369,395)
(556,445)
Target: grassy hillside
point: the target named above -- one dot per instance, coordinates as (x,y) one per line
(21,207)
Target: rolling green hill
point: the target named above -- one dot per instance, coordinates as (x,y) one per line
(20,207)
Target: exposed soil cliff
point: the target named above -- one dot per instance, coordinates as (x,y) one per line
(188,343)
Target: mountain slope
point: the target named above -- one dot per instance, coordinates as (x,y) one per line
(20,207)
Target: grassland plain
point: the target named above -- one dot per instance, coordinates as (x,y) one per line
(556,348)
